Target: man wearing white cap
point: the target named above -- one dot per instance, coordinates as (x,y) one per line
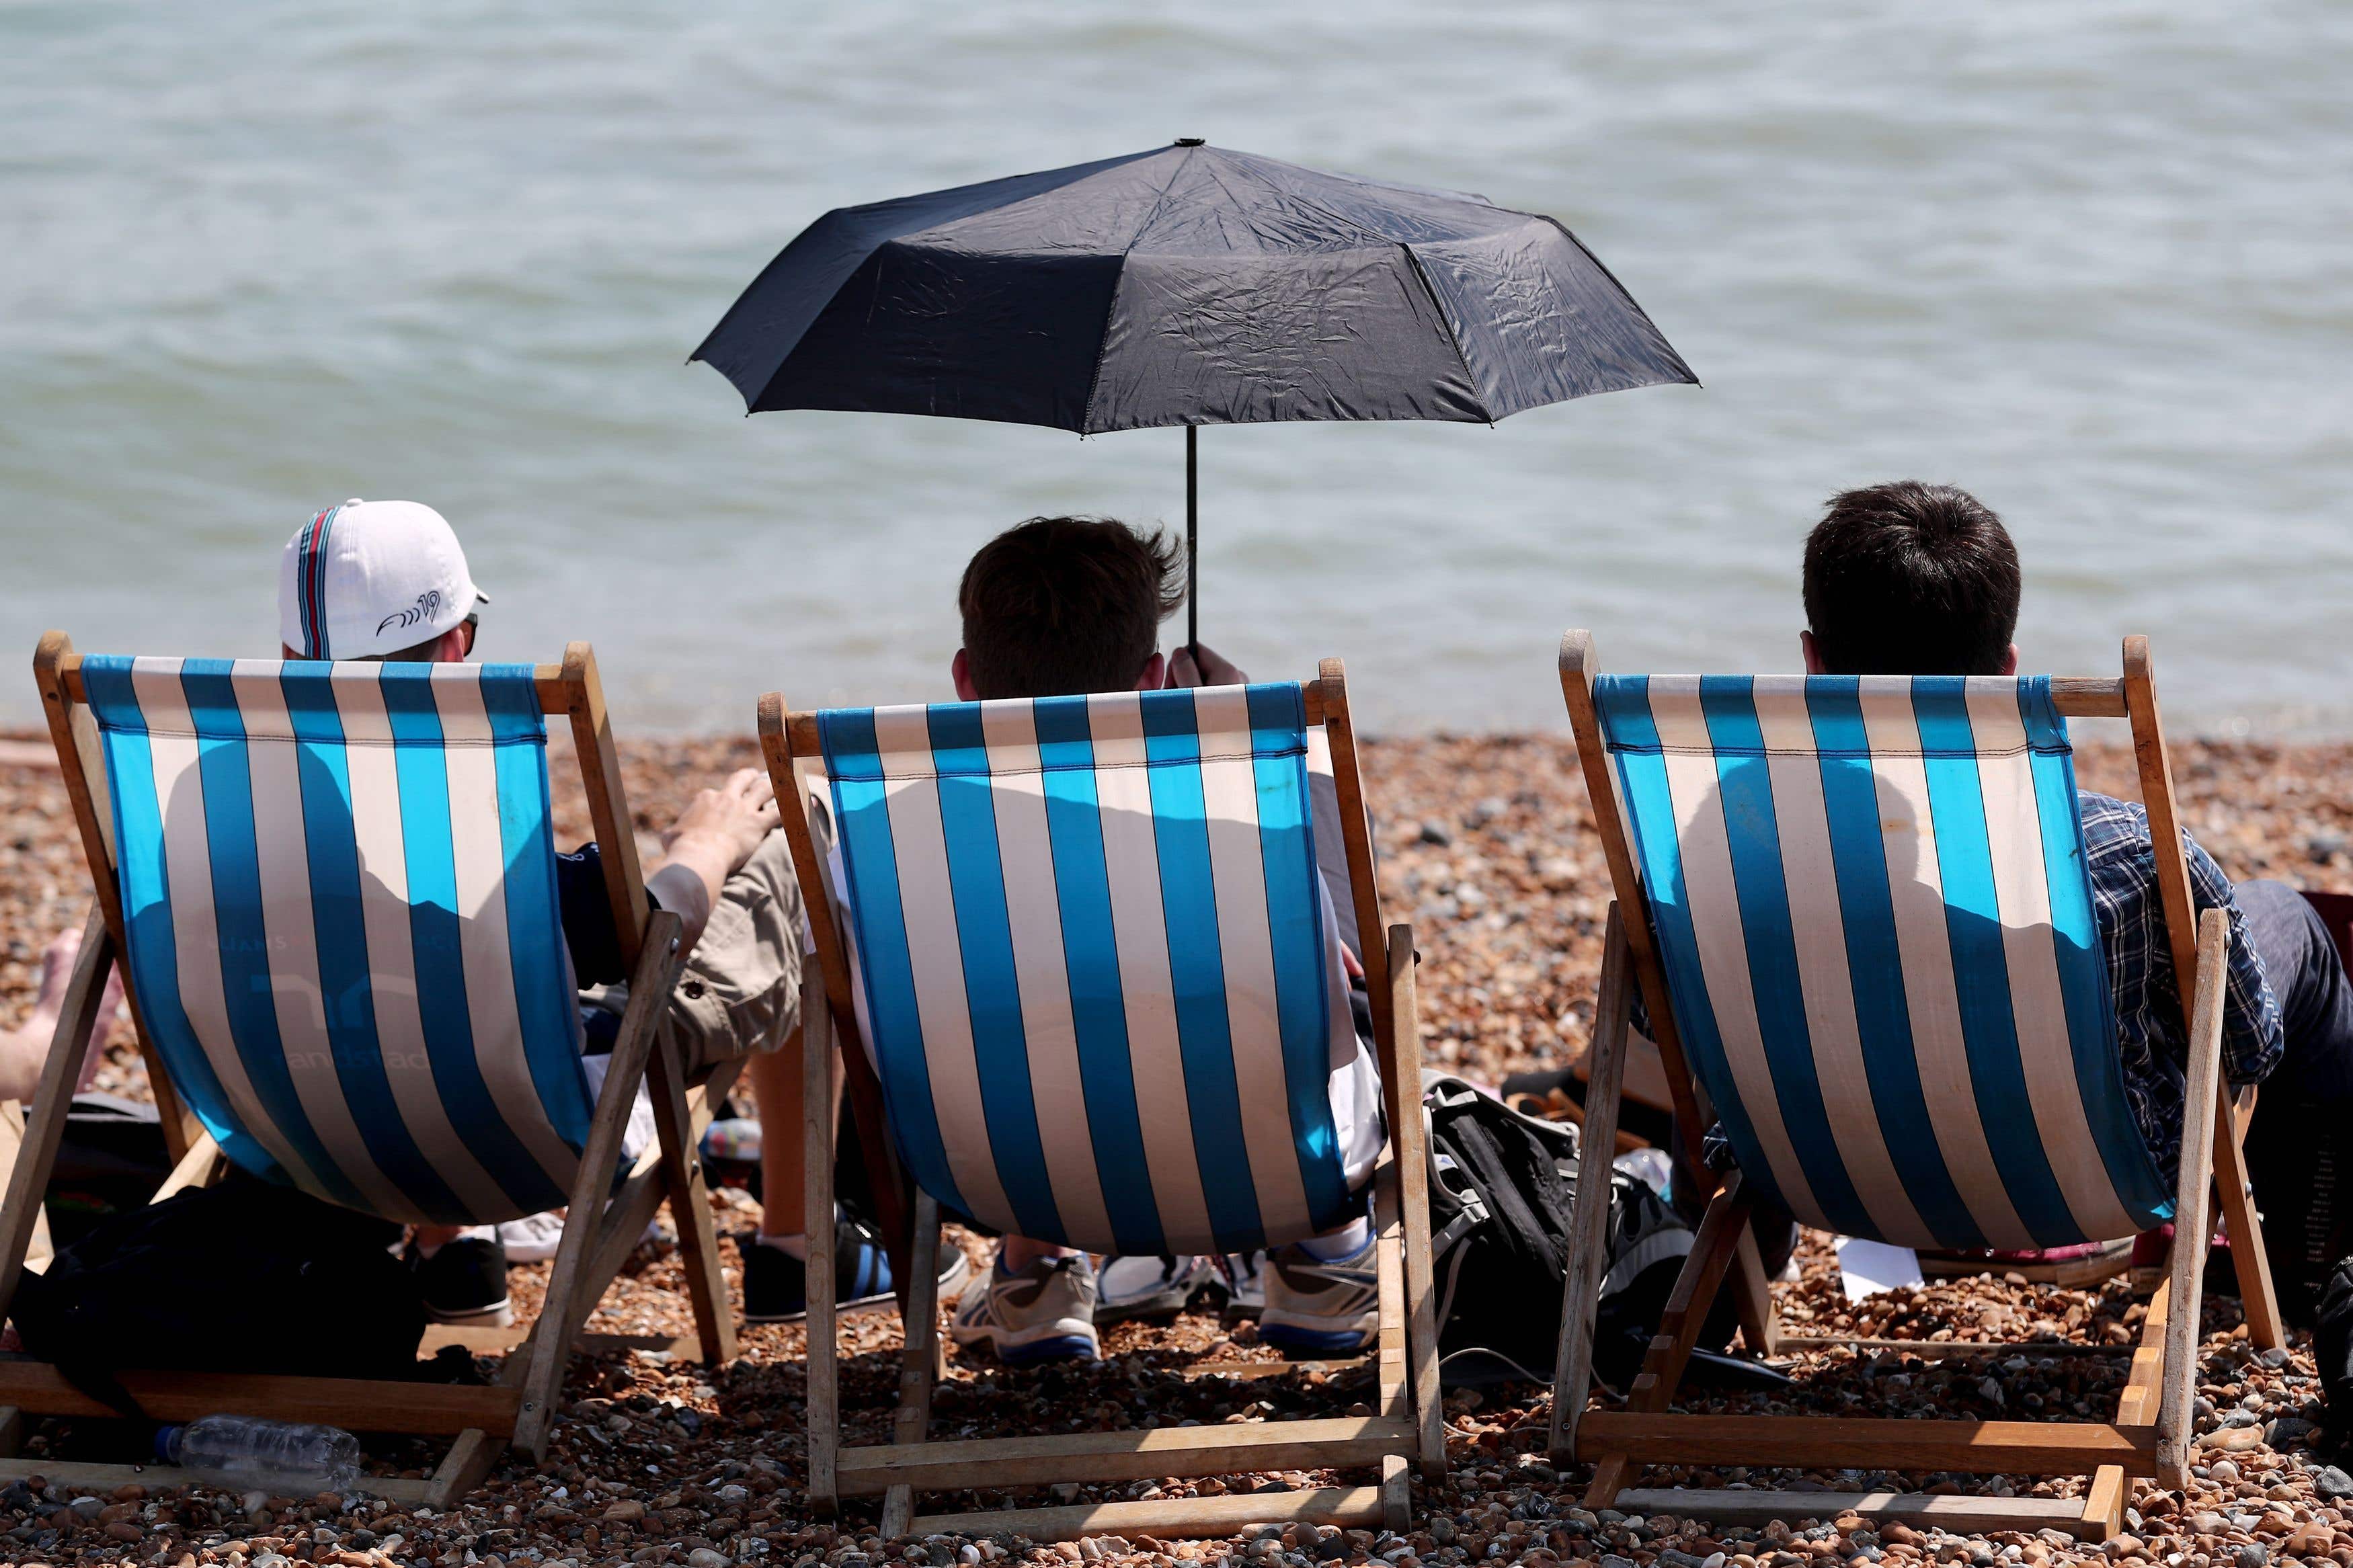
(386,580)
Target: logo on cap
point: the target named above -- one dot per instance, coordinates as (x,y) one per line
(427,604)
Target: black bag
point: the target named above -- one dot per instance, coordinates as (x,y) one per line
(110,1161)
(1500,1192)
(242,1276)
(1502,1187)
(2332,1349)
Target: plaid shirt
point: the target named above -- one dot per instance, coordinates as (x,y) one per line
(2152,1039)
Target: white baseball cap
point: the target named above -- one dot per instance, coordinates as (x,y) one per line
(371,577)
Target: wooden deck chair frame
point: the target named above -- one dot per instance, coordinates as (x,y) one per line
(2150,1434)
(519,1408)
(1407,1424)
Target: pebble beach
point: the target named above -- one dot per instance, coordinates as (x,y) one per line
(1487,850)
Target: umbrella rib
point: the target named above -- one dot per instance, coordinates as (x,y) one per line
(1623,292)
(1448,328)
(1102,341)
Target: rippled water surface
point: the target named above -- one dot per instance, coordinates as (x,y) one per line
(2092,260)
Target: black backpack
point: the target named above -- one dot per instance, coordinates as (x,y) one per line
(242,1276)
(1502,1187)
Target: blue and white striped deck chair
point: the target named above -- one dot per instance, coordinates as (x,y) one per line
(1085,941)
(1867,909)
(334,891)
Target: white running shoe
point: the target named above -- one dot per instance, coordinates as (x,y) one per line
(1146,1285)
(1045,1313)
(1319,1308)
(533,1238)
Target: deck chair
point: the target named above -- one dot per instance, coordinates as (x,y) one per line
(332,890)
(1083,940)
(1858,912)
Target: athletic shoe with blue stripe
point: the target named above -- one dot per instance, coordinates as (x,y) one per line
(1316,1308)
(1872,907)
(1043,1312)
(776,1283)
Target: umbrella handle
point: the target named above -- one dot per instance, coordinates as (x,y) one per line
(1192,543)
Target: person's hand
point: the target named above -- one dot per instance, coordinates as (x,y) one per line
(728,822)
(1210,669)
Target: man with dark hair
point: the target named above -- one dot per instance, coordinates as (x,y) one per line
(1064,606)
(1913,579)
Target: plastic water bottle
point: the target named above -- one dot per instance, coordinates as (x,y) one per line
(247,1453)
(736,1139)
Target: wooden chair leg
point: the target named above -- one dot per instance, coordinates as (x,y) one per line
(2111,1489)
(822,1422)
(1589,1222)
(690,1201)
(650,987)
(2205,1123)
(919,1365)
(2244,1225)
(21,1215)
(1392,1381)
(200,1167)
(1752,1294)
(1686,1312)
(1413,1199)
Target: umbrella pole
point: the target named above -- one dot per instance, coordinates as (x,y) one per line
(1193,543)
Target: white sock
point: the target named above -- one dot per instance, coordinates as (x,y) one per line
(1345,1242)
(794,1246)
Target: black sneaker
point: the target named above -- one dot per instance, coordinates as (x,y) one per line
(776,1283)
(465,1281)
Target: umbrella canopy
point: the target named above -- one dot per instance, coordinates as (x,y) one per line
(1188,285)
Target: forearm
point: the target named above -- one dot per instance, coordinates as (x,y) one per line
(688,883)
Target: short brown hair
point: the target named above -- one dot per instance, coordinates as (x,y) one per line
(1059,605)
(1911,579)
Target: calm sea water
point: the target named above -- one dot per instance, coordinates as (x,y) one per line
(2093,260)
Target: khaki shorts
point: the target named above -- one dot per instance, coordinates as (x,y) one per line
(741,993)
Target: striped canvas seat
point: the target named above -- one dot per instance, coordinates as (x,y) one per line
(1094,959)
(1873,911)
(339,889)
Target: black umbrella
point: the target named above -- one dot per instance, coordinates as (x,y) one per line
(1190,286)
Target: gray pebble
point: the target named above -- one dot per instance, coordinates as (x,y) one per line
(1611,1560)
(1671,1558)
(2286,1430)
(2332,1483)
(2273,1357)
(2254,1555)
